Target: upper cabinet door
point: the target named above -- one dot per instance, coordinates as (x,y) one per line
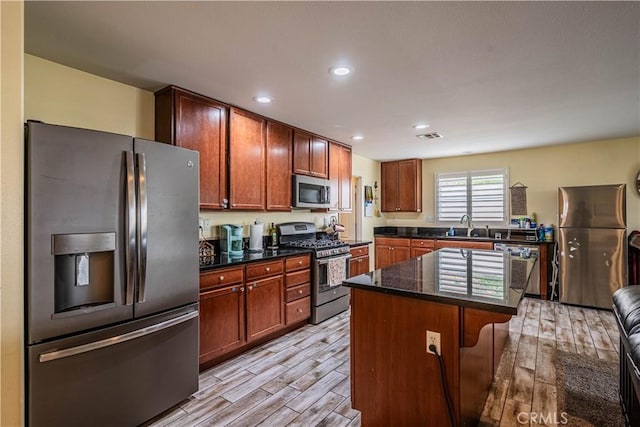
(345,178)
(247,160)
(410,185)
(340,177)
(301,153)
(279,140)
(319,157)
(389,186)
(197,123)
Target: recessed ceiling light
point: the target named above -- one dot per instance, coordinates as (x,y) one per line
(421,126)
(263,99)
(341,70)
(357,137)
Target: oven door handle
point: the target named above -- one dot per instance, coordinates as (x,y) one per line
(323,261)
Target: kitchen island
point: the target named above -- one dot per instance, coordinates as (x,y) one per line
(467,296)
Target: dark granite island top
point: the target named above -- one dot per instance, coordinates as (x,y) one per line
(465,296)
(486,280)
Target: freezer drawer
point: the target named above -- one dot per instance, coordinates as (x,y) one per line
(137,371)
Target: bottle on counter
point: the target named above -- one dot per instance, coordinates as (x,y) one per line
(541,233)
(274,235)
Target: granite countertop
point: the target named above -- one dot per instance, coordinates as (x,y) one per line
(469,278)
(355,243)
(221,260)
(518,235)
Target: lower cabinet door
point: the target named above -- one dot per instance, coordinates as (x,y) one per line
(222,326)
(265,307)
(298,310)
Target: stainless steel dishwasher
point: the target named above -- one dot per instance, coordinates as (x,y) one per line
(519,251)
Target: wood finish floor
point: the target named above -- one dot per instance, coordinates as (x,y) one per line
(302,379)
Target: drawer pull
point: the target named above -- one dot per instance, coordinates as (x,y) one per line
(299,262)
(234,289)
(267,269)
(299,310)
(221,278)
(242,289)
(300,291)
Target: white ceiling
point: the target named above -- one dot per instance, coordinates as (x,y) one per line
(488,76)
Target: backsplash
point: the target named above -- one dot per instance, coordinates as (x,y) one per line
(247,218)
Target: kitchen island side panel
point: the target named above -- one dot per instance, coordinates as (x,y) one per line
(394,380)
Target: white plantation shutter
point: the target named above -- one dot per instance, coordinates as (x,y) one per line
(479,194)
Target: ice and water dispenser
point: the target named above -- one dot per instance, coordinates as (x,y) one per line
(84,271)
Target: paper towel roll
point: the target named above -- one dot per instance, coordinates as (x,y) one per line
(255,237)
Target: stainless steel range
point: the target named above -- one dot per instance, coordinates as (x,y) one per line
(330,260)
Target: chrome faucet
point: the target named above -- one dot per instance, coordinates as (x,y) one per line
(466,219)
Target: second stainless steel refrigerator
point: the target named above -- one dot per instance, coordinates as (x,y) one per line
(112,277)
(592,249)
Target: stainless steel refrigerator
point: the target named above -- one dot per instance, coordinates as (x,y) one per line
(111,277)
(592,250)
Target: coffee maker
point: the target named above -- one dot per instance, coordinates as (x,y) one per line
(231,240)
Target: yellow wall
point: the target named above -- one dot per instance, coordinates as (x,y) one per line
(11,217)
(61,95)
(543,170)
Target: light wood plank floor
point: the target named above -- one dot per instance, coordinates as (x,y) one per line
(302,379)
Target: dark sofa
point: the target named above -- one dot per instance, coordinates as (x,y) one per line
(626,306)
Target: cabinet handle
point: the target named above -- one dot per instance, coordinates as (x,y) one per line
(221,278)
(299,262)
(300,291)
(267,269)
(234,289)
(242,289)
(233,205)
(299,310)
(421,243)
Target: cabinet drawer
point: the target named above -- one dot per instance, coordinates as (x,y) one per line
(298,292)
(298,262)
(393,241)
(423,243)
(298,310)
(298,277)
(223,276)
(264,269)
(359,251)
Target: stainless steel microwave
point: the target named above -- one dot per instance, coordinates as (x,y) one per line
(309,192)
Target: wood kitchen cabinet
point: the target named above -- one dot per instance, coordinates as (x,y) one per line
(222,312)
(359,262)
(422,247)
(247,160)
(298,289)
(191,121)
(310,155)
(265,306)
(279,166)
(390,250)
(401,186)
(340,176)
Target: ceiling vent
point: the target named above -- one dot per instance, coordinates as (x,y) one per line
(432,135)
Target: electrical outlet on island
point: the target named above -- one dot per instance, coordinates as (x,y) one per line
(433,338)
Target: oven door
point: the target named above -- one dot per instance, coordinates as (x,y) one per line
(329,273)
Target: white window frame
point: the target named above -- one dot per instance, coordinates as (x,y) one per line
(469,175)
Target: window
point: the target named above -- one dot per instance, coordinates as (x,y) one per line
(480,194)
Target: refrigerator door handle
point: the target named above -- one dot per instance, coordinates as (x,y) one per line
(130,247)
(72,351)
(142,226)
